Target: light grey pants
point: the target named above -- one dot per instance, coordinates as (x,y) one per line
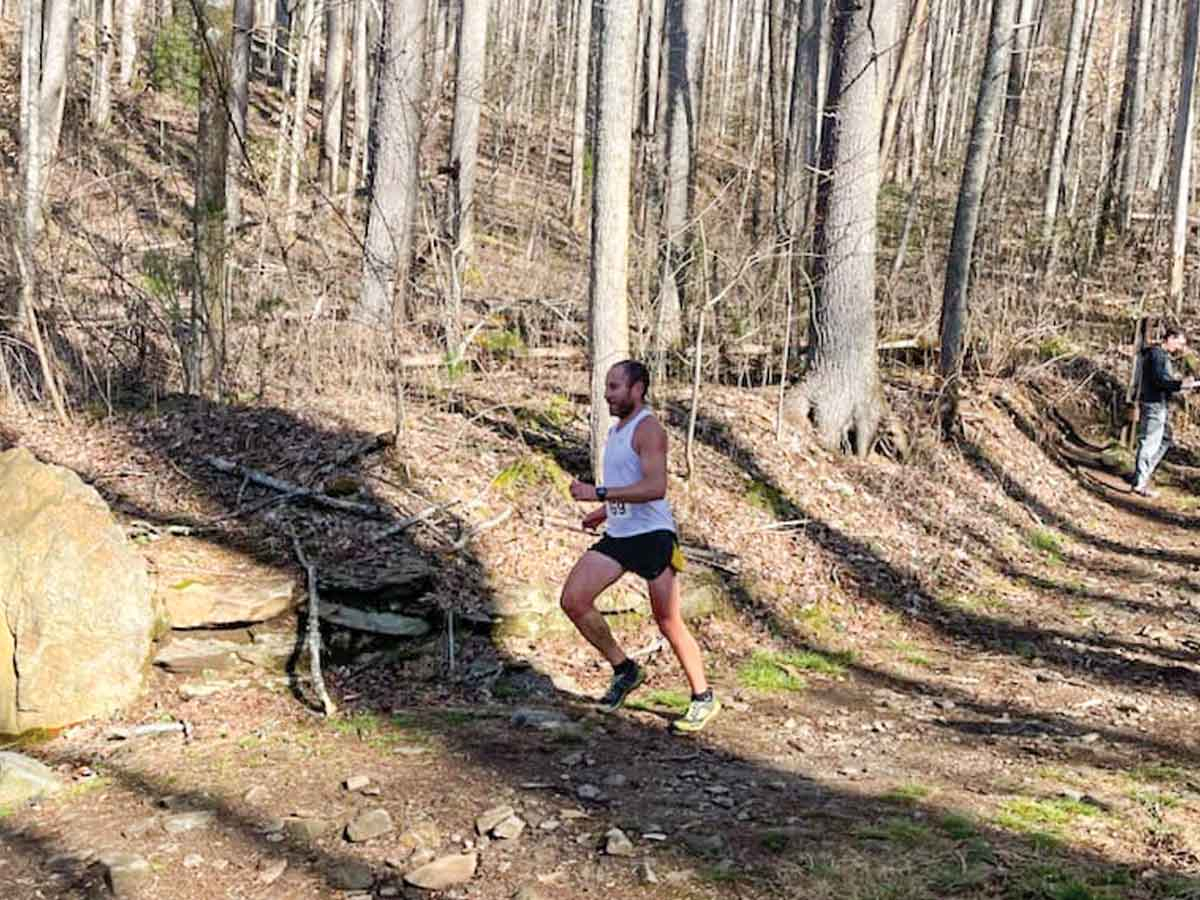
(1154,439)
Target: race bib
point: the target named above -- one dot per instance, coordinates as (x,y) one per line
(618,509)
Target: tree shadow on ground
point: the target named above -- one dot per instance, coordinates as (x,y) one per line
(784,806)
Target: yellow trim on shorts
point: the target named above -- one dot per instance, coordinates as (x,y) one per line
(678,562)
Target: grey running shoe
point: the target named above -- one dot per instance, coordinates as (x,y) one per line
(621,687)
(699,714)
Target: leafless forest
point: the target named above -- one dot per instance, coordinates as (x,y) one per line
(218,200)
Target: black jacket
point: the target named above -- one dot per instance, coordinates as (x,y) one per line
(1157,382)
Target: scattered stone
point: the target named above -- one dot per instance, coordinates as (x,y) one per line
(351,875)
(704,844)
(617,844)
(445,872)
(198,691)
(188,656)
(509,829)
(369,824)
(356,782)
(257,794)
(657,836)
(544,719)
(572,759)
(189,821)
(220,865)
(422,856)
(646,873)
(568,815)
(304,829)
(250,592)
(488,820)
(125,873)
(550,824)
(425,835)
(193,861)
(22,778)
(680,875)
(616,780)
(588,792)
(387,623)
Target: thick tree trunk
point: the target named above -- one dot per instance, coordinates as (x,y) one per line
(130,12)
(841,394)
(616,22)
(970,200)
(1026,12)
(31,156)
(58,49)
(333,96)
(686,25)
(396,134)
(305,22)
(206,365)
(1181,169)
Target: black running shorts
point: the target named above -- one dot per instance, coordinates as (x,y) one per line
(647,554)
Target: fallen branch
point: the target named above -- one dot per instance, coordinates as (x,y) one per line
(313,637)
(474,530)
(124,733)
(293,491)
(371,445)
(408,521)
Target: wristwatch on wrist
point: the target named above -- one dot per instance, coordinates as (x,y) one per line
(601,492)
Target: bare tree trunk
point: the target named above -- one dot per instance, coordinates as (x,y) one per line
(239,102)
(206,366)
(1014,94)
(616,22)
(396,134)
(908,55)
(130,11)
(841,394)
(686,25)
(970,200)
(1062,129)
(57,51)
(1074,157)
(583,44)
(31,157)
(464,135)
(306,23)
(362,100)
(1137,108)
(333,95)
(101,99)
(1181,169)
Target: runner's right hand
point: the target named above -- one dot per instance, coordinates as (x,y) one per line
(595,518)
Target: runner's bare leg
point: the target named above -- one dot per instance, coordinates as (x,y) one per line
(664,600)
(591,575)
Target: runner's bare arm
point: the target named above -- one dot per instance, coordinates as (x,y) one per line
(650,444)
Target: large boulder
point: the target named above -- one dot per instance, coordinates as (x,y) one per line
(75,600)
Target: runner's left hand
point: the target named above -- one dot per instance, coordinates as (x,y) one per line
(581,491)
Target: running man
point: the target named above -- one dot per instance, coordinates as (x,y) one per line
(639,537)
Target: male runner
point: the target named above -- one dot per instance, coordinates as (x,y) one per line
(639,537)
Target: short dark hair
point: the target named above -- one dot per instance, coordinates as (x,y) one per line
(1173,331)
(634,372)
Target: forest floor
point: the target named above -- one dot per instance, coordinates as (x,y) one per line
(974,673)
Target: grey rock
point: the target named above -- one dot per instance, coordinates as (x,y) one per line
(351,875)
(187,656)
(193,861)
(545,719)
(65,567)
(509,829)
(615,780)
(126,874)
(422,856)
(705,844)
(270,872)
(305,829)
(369,824)
(445,872)
(22,778)
(588,792)
(188,821)
(646,873)
(390,624)
(356,782)
(616,843)
(488,820)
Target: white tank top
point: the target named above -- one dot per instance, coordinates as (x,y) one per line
(622,467)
